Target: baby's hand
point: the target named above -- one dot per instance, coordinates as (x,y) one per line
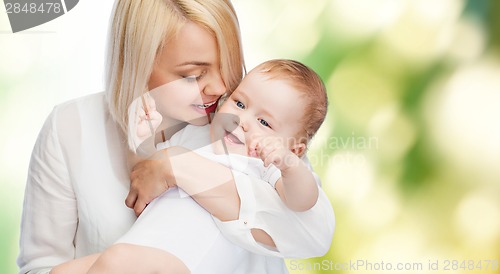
(272,150)
(144,119)
(148,119)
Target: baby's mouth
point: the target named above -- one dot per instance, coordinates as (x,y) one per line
(231,138)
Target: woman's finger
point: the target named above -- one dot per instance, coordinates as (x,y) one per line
(131,198)
(139,207)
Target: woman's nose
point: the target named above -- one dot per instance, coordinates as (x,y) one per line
(215,87)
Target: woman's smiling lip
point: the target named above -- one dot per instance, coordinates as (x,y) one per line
(206,108)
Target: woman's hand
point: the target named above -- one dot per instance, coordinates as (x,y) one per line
(148,180)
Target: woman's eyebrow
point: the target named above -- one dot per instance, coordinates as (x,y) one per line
(194,63)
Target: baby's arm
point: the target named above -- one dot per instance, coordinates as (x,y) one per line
(297,186)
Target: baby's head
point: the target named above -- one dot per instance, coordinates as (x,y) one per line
(282,98)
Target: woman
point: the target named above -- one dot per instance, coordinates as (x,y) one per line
(79,171)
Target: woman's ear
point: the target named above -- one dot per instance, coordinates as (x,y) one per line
(298,149)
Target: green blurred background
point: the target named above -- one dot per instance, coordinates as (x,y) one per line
(409,153)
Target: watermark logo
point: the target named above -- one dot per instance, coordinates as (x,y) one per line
(26,14)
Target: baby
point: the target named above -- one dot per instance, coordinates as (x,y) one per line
(261,130)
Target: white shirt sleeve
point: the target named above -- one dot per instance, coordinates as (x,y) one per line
(296,234)
(271,175)
(49,218)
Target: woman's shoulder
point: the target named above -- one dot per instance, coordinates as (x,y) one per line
(85,107)
(85,111)
(91,100)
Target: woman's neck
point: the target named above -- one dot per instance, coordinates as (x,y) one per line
(169,130)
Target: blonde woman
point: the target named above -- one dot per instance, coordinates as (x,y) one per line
(80,166)
(163,225)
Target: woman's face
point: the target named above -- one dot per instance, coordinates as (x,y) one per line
(186,80)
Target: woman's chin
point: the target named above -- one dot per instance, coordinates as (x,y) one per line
(201,121)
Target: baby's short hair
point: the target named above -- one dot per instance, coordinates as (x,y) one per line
(308,83)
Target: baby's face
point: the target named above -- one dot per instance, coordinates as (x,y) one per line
(259,107)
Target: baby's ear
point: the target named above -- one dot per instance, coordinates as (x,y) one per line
(298,149)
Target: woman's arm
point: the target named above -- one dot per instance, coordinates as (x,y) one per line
(49,218)
(76,266)
(209,183)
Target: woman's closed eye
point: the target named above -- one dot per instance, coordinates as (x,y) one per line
(264,123)
(194,78)
(190,79)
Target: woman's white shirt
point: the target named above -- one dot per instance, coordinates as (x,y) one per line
(77,183)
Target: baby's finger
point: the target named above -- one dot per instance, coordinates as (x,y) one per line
(265,152)
(155,115)
(253,153)
(155,118)
(272,158)
(253,147)
(150,102)
(141,113)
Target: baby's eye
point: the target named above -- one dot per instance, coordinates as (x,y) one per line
(240,104)
(264,123)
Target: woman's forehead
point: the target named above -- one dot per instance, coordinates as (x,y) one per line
(193,45)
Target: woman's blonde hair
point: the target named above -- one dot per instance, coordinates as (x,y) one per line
(140,29)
